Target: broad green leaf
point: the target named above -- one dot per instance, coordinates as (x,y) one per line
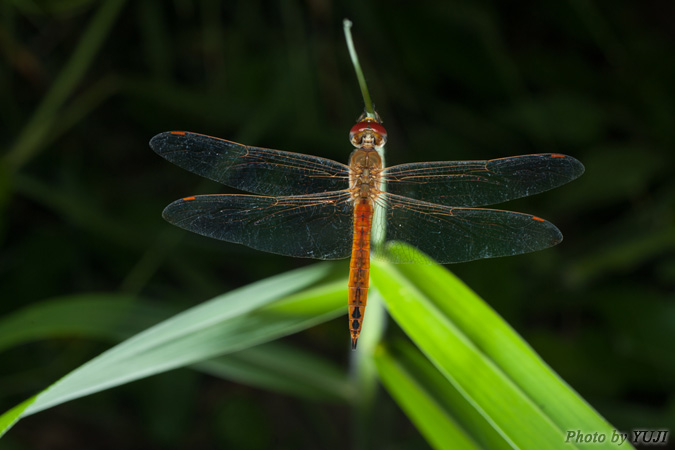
(483,358)
(437,425)
(425,380)
(282,368)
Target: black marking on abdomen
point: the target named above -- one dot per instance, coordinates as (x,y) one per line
(356,314)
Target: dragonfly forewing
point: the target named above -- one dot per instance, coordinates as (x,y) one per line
(252,169)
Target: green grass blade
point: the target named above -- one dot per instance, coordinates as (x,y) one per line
(35,132)
(483,358)
(13,415)
(235,321)
(115,317)
(112,317)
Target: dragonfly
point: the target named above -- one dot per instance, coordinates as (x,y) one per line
(311,207)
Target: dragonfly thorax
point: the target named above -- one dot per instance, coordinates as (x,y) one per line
(365,166)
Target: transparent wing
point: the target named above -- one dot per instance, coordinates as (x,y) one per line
(451,234)
(480,183)
(315,226)
(252,169)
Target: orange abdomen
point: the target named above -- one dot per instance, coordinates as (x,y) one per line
(359,266)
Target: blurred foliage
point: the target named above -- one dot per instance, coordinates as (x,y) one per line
(84,85)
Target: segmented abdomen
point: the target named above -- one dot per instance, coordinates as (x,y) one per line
(359,266)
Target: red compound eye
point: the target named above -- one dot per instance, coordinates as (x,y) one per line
(368,125)
(357,129)
(379,129)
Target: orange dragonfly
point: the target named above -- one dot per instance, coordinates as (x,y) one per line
(311,207)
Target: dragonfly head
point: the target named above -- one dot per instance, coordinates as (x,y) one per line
(368,133)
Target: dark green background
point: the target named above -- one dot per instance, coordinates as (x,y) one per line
(81,192)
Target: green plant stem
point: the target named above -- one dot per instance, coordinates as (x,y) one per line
(347,25)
